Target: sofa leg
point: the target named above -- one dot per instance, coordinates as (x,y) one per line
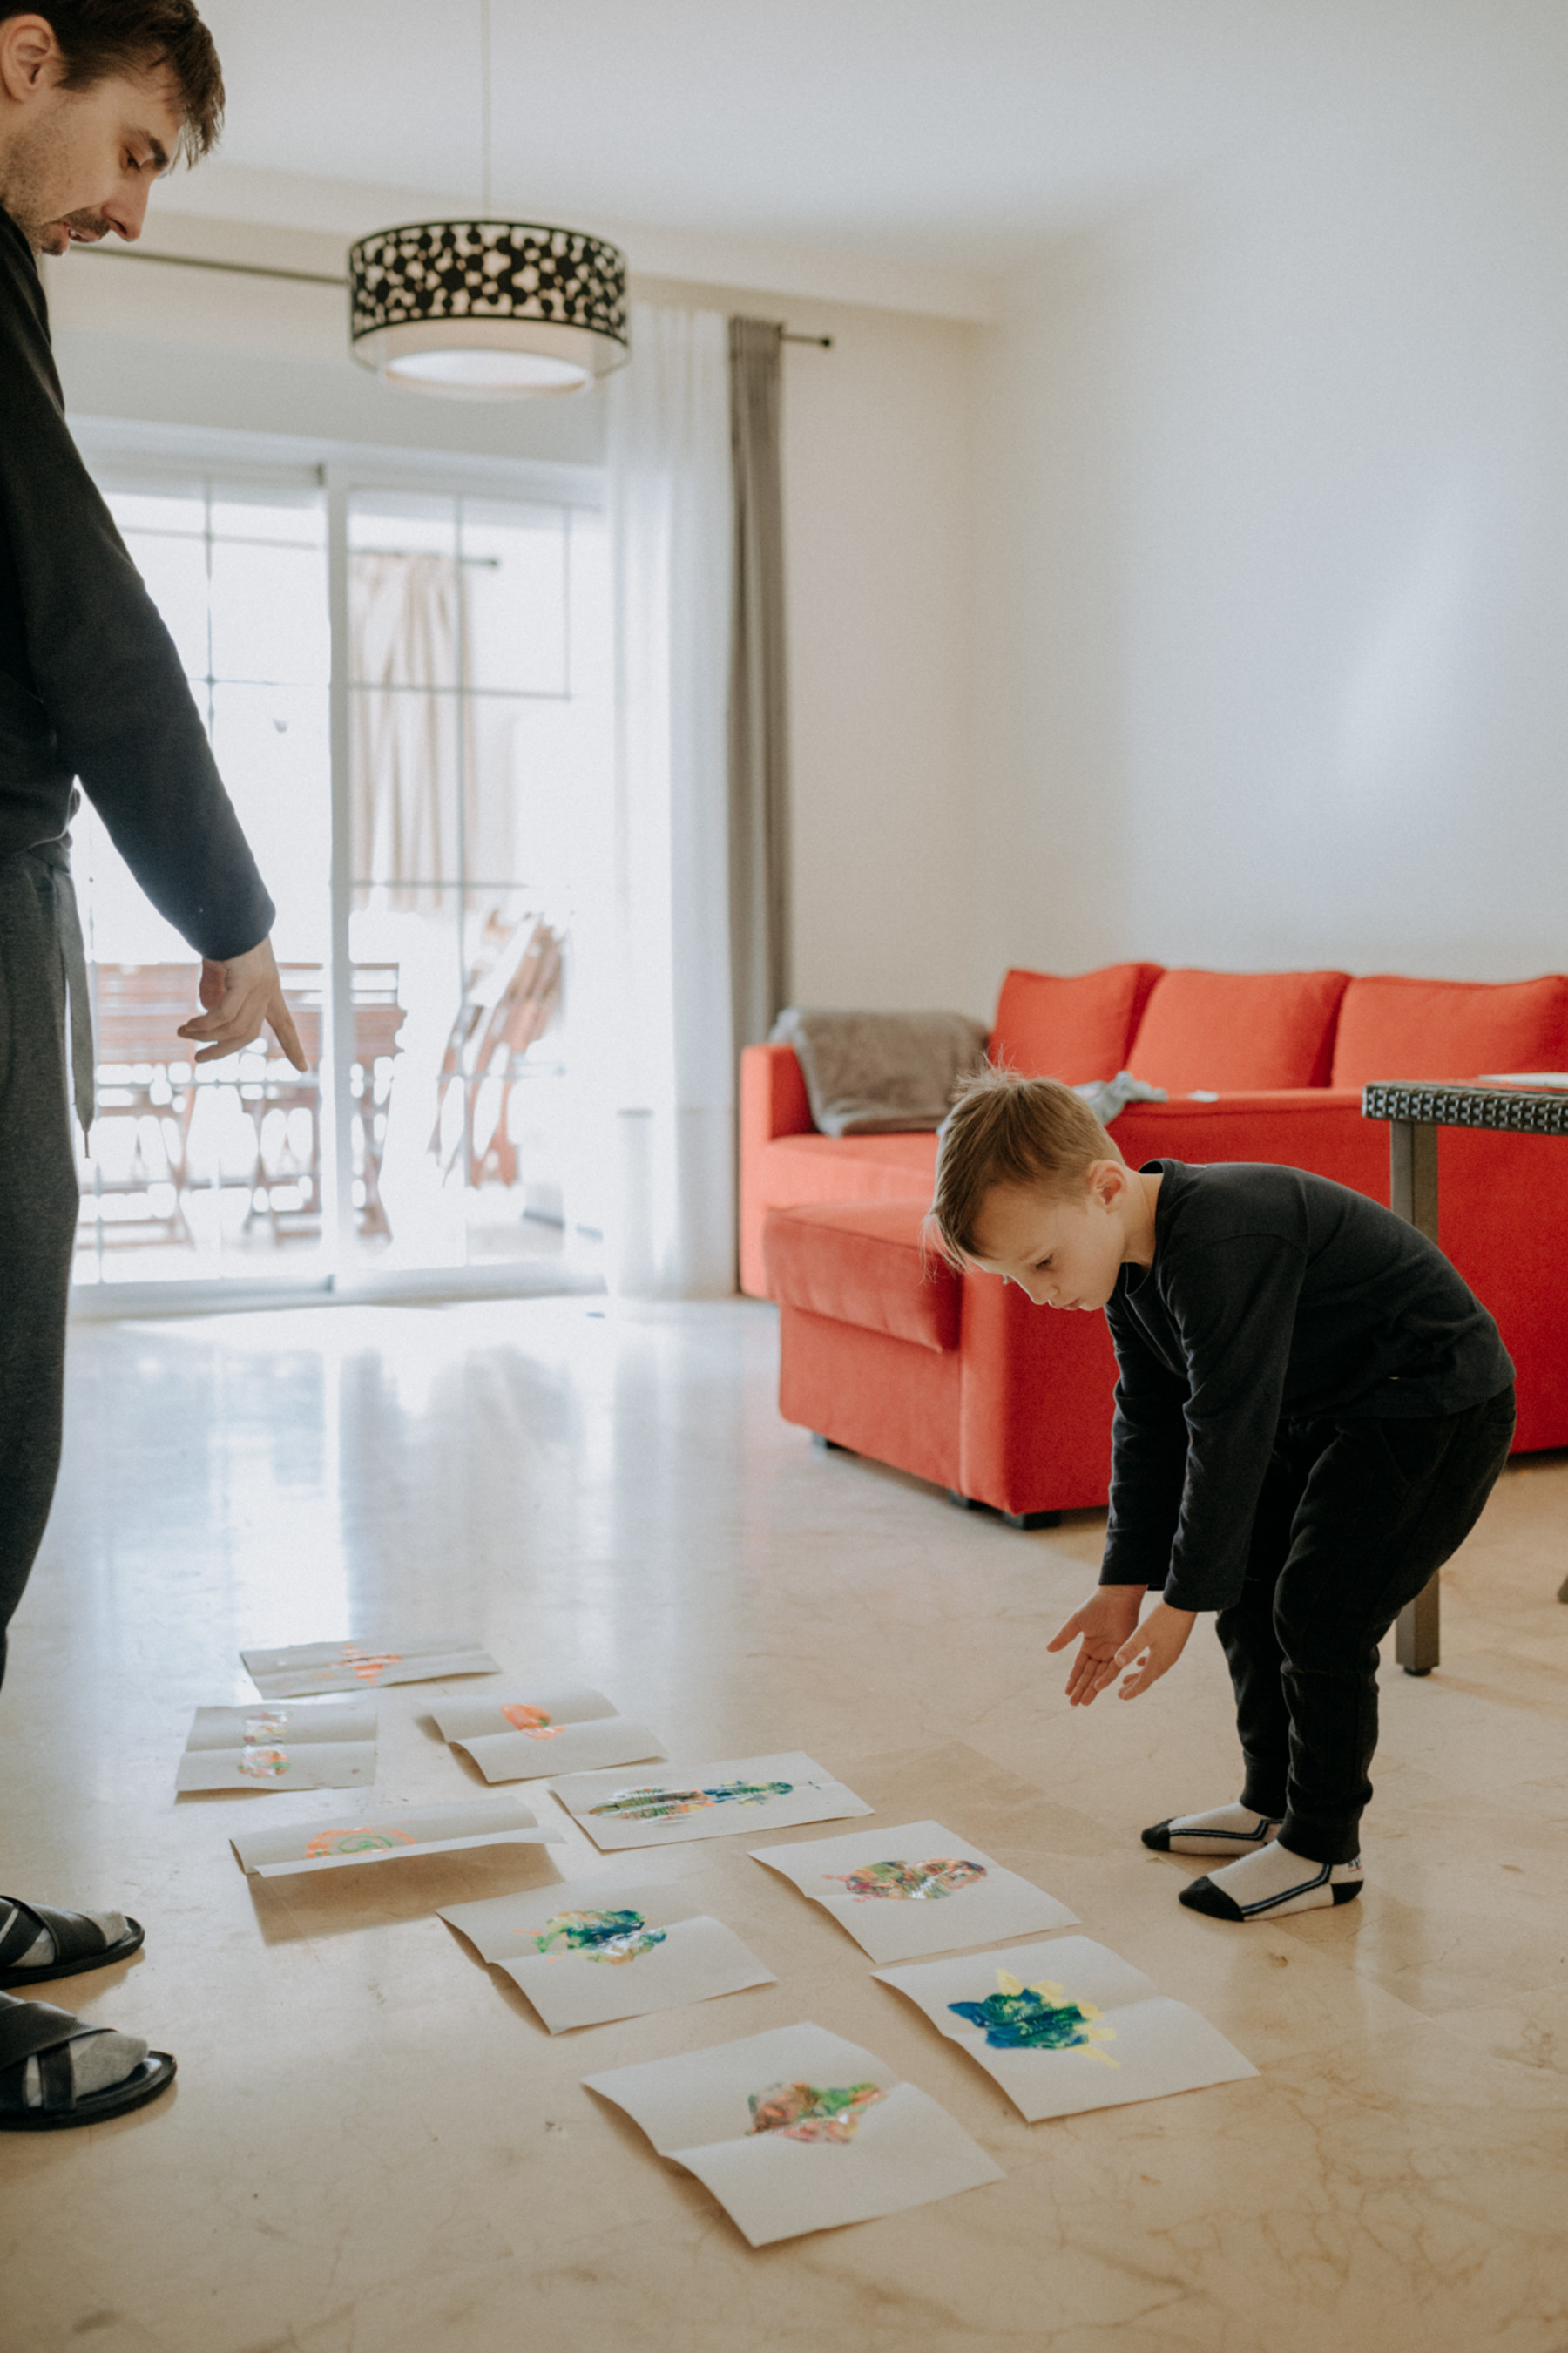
(821,1445)
(1014,1519)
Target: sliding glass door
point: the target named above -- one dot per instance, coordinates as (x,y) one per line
(425,788)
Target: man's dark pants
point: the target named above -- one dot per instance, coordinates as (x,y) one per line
(1354,1517)
(38,1211)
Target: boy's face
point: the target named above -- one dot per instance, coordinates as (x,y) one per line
(1064,1251)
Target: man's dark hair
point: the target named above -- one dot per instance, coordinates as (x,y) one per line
(100,38)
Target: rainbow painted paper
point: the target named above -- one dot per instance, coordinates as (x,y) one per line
(916,1889)
(700,1801)
(797,2130)
(589,1950)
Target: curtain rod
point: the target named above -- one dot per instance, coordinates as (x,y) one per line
(307,276)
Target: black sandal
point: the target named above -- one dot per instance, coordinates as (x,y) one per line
(37,2030)
(79,1943)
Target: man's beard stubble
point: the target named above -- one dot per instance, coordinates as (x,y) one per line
(31,181)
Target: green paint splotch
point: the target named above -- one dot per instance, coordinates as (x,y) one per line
(655,1804)
(812,2112)
(912,1883)
(613,1936)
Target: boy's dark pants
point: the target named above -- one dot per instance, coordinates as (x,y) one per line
(1353,1518)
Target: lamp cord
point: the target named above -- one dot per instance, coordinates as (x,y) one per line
(485,113)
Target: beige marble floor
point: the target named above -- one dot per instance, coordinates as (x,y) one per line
(374,2148)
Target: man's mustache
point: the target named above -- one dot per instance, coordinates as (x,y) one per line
(87,225)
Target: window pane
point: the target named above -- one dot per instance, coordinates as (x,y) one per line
(514,584)
(405,826)
(295,517)
(273,751)
(402,593)
(175,510)
(269,614)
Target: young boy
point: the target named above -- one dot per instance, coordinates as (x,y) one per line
(1312,1409)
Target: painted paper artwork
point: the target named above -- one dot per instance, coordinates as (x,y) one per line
(1017,2017)
(322,1743)
(519,1738)
(1067,2026)
(914,1890)
(810,2111)
(741,1793)
(309,1667)
(317,1845)
(797,2130)
(589,1952)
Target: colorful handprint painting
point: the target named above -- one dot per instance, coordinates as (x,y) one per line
(812,2112)
(912,1883)
(363,1841)
(614,1936)
(1036,2017)
(657,1804)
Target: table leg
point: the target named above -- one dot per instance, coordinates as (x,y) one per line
(1413,1196)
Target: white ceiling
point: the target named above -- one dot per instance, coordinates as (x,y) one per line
(953,131)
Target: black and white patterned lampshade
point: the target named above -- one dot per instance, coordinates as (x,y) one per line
(486,309)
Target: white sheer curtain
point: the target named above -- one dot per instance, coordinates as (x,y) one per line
(671,1211)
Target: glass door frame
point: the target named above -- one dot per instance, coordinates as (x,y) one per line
(343,470)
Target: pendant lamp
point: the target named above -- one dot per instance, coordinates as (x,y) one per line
(485,309)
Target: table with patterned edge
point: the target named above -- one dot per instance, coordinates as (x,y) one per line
(1415,1114)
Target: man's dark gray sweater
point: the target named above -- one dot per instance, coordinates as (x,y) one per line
(90,684)
(1273,1295)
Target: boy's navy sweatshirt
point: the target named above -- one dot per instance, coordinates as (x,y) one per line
(90,684)
(1274,1295)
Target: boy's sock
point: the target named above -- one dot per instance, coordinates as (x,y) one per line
(1224,1830)
(1272,1881)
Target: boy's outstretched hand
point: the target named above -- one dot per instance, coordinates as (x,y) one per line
(1101,1628)
(1158,1643)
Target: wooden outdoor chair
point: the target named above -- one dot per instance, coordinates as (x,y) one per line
(144,1071)
(512,993)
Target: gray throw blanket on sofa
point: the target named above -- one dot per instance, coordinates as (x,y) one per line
(882,1073)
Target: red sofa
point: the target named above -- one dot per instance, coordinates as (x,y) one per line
(958,1380)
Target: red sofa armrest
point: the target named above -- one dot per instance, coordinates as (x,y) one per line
(773,1104)
(772,1095)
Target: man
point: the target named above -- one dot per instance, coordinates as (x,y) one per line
(97,96)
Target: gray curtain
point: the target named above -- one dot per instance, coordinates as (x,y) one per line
(759,708)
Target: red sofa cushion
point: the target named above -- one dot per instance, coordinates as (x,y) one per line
(1073,1027)
(1390,1028)
(1237,1031)
(864,1262)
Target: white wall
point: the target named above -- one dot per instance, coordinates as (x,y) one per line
(878,473)
(879,469)
(1274,562)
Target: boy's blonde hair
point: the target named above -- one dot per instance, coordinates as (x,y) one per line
(1005,1130)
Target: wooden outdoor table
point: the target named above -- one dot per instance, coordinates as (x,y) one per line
(1415,1114)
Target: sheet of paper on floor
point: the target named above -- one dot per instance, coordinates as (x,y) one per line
(307,1667)
(522,1736)
(1069,2026)
(914,1890)
(314,1744)
(590,1950)
(317,1845)
(699,1802)
(797,2130)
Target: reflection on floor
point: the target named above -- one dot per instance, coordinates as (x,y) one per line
(373,2145)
